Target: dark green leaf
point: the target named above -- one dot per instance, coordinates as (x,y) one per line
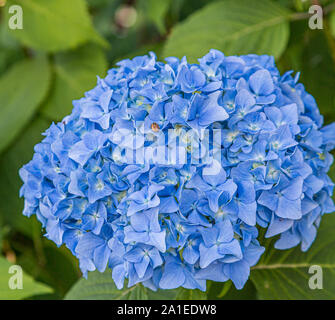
(22,89)
(10,163)
(162,294)
(309,53)
(233,27)
(285,274)
(100,286)
(56,267)
(75,73)
(318,73)
(227,291)
(332,23)
(187,294)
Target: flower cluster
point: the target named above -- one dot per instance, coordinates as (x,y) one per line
(102,184)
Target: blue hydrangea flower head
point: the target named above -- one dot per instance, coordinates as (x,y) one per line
(164,172)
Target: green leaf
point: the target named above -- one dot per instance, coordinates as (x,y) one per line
(332,23)
(22,89)
(62,267)
(10,49)
(162,294)
(100,286)
(187,294)
(10,163)
(284,274)
(234,27)
(318,73)
(155,11)
(227,291)
(310,53)
(247,293)
(75,73)
(54,25)
(29,286)
(56,267)
(1,237)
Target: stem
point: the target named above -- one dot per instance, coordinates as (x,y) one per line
(38,245)
(305,15)
(299,16)
(225,289)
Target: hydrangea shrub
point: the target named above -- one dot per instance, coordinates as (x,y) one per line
(164,171)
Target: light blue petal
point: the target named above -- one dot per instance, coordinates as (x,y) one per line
(173,277)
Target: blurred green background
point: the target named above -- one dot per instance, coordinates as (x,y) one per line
(65,44)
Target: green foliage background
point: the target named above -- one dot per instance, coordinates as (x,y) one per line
(65,44)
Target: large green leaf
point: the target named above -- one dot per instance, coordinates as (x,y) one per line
(54,25)
(227,291)
(22,89)
(285,274)
(29,286)
(75,73)
(100,286)
(10,49)
(310,53)
(56,267)
(234,27)
(318,72)
(11,161)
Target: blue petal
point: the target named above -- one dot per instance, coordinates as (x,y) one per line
(141,267)
(290,209)
(261,82)
(208,255)
(238,272)
(173,277)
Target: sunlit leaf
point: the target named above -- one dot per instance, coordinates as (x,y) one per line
(29,286)
(54,25)
(234,27)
